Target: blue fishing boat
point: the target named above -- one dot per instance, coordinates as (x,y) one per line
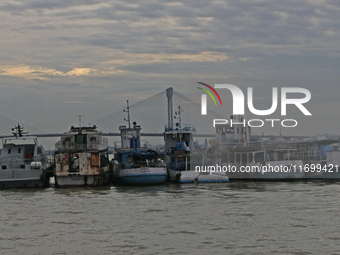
(181,155)
(135,164)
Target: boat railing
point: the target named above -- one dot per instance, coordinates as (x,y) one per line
(103,145)
(9,162)
(242,146)
(143,144)
(189,127)
(251,146)
(280,146)
(184,127)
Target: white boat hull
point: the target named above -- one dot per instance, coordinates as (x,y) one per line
(194,176)
(23,178)
(141,176)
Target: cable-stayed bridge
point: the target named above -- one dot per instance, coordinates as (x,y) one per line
(151,113)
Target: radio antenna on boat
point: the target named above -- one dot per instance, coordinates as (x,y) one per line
(19,131)
(128,112)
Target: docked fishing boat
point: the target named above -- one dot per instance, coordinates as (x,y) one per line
(135,164)
(24,163)
(182,158)
(81,158)
(244,158)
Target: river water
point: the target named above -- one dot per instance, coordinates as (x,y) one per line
(233,218)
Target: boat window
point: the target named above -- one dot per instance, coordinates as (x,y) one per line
(39,150)
(250,157)
(244,158)
(9,151)
(22,166)
(232,158)
(29,151)
(237,158)
(259,157)
(19,150)
(93,139)
(4,167)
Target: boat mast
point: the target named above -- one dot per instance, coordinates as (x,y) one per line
(180,122)
(128,112)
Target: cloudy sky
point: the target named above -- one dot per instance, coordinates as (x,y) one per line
(59,59)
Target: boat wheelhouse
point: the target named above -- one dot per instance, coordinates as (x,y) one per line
(81,158)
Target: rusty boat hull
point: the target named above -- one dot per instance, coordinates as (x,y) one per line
(81,159)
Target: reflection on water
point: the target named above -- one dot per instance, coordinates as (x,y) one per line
(235,218)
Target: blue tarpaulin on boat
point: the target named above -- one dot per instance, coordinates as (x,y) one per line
(180,146)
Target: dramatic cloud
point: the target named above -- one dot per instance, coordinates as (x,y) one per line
(88,57)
